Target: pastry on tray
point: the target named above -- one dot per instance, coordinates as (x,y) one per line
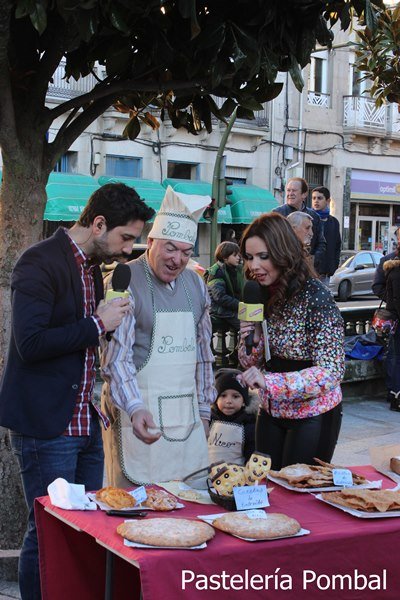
(159,500)
(167,532)
(115,497)
(365,500)
(309,476)
(274,525)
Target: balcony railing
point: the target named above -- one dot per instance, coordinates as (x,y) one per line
(63,89)
(319,99)
(261,116)
(362,113)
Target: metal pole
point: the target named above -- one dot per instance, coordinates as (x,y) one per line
(216,188)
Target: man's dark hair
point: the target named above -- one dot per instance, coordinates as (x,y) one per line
(118,204)
(322,190)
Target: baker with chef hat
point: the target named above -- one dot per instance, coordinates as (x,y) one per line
(158,365)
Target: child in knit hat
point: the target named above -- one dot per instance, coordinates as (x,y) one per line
(232,427)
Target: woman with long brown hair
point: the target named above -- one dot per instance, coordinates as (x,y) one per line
(299,386)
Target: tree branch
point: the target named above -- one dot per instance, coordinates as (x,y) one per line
(67,135)
(121,87)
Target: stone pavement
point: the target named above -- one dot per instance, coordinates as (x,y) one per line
(367,421)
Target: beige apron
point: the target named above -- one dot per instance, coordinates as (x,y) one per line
(225,442)
(168,388)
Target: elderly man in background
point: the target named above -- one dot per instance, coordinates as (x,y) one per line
(296,197)
(302,224)
(159,383)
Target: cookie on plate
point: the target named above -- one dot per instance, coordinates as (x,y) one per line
(115,497)
(175,533)
(275,525)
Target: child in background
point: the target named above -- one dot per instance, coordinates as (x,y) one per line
(232,427)
(225,285)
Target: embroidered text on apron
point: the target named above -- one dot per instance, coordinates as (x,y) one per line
(168,388)
(225,442)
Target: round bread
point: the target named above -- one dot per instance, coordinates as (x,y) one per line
(275,525)
(115,497)
(176,533)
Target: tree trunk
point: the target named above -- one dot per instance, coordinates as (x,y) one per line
(22,202)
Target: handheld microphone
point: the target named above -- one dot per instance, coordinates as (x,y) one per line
(251,309)
(119,287)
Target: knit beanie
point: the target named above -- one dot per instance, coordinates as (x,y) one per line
(225,379)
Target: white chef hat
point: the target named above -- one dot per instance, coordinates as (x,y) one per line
(178,217)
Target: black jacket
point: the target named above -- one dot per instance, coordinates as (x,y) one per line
(330,260)
(318,242)
(49,337)
(379,283)
(391,270)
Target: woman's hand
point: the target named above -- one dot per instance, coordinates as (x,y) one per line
(247,327)
(253,378)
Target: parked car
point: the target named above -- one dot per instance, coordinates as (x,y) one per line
(355,276)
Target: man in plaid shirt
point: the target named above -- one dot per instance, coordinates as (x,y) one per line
(58,318)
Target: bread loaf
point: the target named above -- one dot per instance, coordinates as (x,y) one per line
(395,464)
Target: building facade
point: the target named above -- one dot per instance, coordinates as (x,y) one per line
(332,134)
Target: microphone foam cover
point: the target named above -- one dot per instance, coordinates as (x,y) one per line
(121,277)
(252,293)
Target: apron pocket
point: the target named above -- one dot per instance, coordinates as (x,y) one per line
(177,416)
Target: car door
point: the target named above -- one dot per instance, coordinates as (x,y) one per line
(363,275)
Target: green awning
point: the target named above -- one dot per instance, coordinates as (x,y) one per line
(67,196)
(249,202)
(130,181)
(200,188)
(150,191)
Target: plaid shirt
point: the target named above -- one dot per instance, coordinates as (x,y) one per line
(81,418)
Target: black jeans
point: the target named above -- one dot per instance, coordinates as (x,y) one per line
(290,441)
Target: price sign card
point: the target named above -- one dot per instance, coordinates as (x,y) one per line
(342,477)
(251,496)
(139,494)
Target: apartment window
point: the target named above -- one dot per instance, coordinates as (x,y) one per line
(238,175)
(357,87)
(123,166)
(183,170)
(315,176)
(67,163)
(318,84)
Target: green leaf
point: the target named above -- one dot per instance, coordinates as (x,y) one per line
(249,102)
(228,107)
(182,102)
(244,113)
(39,18)
(24,8)
(370,16)
(132,128)
(296,75)
(187,8)
(269,92)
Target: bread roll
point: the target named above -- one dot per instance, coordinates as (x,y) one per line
(395,464)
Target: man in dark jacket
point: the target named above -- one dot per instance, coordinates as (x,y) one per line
(321,199)
(46,393)
(393,352)
(296,196)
